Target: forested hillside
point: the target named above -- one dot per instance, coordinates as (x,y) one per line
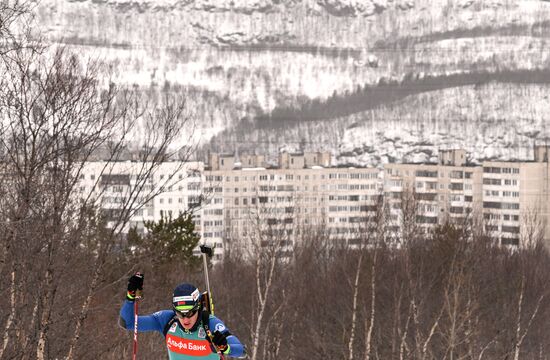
(300,64)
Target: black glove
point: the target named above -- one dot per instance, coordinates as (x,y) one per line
(219,339)
(135,286)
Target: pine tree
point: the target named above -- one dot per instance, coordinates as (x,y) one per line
(169,239)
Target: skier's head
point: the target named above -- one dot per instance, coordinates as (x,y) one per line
(187,304)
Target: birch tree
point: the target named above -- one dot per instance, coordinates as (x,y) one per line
(56,115)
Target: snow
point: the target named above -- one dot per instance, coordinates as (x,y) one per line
(498,121)
(175,42)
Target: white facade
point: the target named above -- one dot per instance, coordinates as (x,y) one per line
(172,188)
(510,199)
(515,201)
(255,203)
(438,193)
(235,205)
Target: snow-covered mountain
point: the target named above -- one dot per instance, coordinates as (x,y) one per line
(370,80)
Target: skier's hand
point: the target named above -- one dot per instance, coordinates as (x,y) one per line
(220,340)
(135,286)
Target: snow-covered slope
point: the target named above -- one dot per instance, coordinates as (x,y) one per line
(236,59)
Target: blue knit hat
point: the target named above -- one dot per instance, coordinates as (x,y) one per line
(186,298)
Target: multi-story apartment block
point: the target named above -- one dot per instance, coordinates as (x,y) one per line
(239,202)
(263,204)
(174,187)
(509,197)
(516,199)
(449,190)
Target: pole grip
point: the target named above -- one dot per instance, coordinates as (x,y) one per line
(206,249)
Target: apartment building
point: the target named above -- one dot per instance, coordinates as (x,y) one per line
(240,201)
(516,198)
(449,190)
(174,187)
(510,198)
(250,204)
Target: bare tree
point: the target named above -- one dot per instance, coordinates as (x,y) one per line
(16,17)
(55,118)
(355,305)
(266,242)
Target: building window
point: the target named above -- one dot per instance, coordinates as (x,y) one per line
(490,181)
(510,241)
(510,229)
(490,216)
(498,205)
(426,219)
(427,173)
(456,186)
(492,170)
(456,210)
(456,174)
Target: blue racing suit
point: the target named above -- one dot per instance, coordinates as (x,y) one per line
(182,344)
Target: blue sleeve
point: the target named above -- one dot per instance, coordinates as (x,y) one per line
(152,322)
(236,349)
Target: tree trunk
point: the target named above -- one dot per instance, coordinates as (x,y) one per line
(370,327)
(83,314)
(47,303)
(262,300)
(354,307)
(9,322)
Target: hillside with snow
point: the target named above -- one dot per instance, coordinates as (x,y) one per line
(343,75)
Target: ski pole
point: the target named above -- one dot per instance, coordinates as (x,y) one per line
(138,296)
(207,251)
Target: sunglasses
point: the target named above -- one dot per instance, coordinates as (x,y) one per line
(188,313)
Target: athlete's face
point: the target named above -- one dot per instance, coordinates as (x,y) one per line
(188,322)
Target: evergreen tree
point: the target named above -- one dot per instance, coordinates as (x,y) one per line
(169,239)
